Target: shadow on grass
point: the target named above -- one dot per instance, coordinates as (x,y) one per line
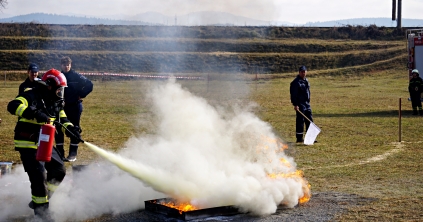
(387,113)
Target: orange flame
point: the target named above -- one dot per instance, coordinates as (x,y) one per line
(181,207)
(298,175)
(285,162)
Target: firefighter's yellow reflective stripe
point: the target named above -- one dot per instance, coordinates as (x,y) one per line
(65,126)
(23,100)
(52,120)
(51,187)
(25,144)
(21,108)
(62,114)
(33,121)
(39,200)
(27,89)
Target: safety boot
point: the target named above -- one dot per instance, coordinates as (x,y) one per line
(421,112)
(300,138)
(42,212)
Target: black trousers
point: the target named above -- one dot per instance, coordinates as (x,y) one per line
(73,112)
(37,174)
(415,101)
(300,121)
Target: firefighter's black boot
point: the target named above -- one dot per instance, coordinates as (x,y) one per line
(73,152)
(415,111)
(420,111)
(42,212)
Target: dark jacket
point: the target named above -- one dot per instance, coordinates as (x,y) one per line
(300,93)
(26,84)
(25,106)
(415,87)
(78,87)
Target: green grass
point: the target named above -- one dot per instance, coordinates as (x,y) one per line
(358,116)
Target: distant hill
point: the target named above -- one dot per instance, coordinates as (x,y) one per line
(387,22)
(203,18)
(44,18)
(148,18)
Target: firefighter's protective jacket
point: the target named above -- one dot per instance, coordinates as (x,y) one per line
(27,129)
(78,87)
(415,86)
(300,93)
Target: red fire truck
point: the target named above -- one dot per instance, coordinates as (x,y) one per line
(415,50)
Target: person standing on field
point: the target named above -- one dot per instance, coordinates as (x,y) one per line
(29,82)
(300,99)
(35,107)
(78,88)
(415,88)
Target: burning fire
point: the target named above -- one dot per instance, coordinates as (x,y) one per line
(181,207)
(298,175)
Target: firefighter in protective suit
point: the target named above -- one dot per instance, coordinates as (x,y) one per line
(40,105)
(415,88)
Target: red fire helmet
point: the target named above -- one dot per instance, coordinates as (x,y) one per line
(54,77)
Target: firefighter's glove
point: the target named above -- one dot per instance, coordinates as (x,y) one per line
(73,132)
(41,117)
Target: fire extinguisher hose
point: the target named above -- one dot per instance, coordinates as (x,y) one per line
(80,139)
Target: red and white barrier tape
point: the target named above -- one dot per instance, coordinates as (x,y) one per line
(141,76)
(124,75)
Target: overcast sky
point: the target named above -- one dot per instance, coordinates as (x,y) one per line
(295,11)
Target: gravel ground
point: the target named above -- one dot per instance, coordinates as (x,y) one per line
(321,207)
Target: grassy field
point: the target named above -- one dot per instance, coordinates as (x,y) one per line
(358,150)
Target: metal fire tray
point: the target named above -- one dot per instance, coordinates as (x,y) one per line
(155,207)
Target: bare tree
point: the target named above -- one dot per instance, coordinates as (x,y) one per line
(3,3)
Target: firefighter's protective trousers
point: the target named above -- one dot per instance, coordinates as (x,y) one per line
(42,182)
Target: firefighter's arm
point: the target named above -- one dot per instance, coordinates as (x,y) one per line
(19,107)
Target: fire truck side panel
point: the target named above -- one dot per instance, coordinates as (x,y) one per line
(419,58)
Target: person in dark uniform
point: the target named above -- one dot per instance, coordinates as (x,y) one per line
(300,99)
(29,82)
(78,88)
(42,104)
(415,88)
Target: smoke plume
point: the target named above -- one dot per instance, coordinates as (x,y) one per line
(199,154)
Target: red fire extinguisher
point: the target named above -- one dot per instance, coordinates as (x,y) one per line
(45,143)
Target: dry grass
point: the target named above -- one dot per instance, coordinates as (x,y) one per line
(358,150)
